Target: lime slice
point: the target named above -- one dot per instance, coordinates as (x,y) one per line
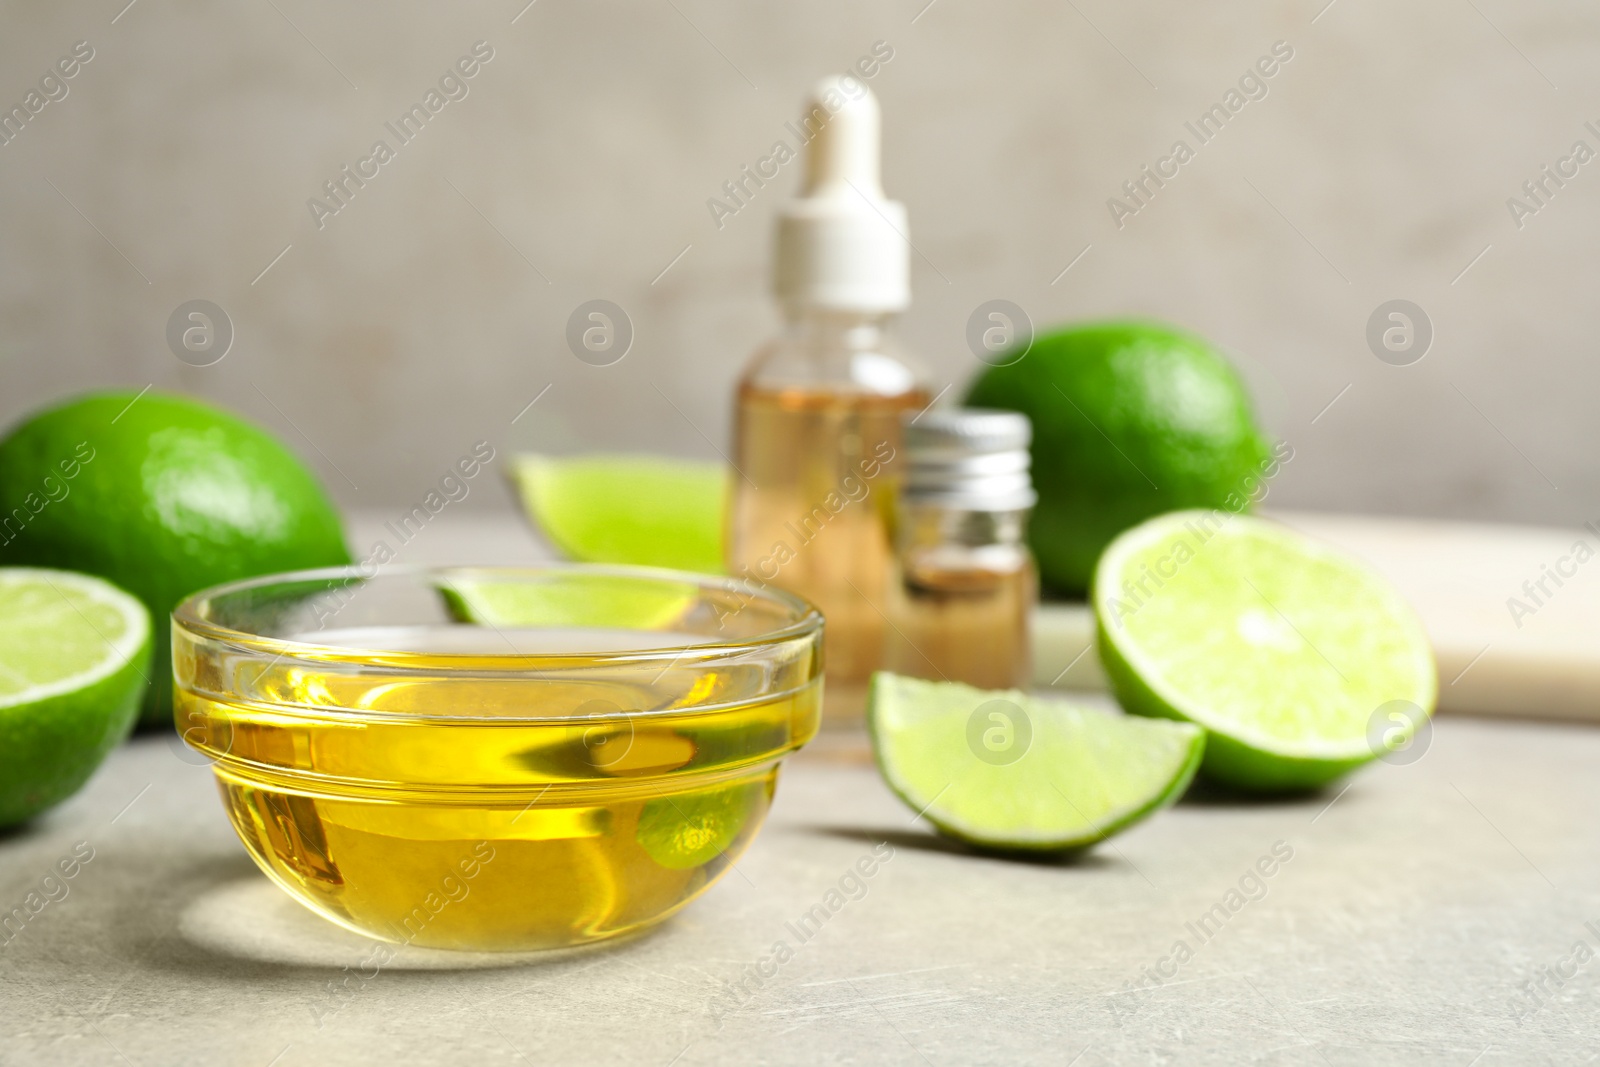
(74,666)
(627,509)
(691,829)
(1007,771)
(1283,649)
(559,600)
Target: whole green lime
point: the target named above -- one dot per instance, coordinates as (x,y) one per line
(1130,419)
(163,496)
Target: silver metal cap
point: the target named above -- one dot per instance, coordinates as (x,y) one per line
(970,458)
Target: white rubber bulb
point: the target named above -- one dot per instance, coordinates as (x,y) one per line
(845,151)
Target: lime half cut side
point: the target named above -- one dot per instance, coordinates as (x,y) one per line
(642,510)
(1282,648)
(1006,771)
(74,666)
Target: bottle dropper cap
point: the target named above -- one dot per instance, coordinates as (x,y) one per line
(841,244)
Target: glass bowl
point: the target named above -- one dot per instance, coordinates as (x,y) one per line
(496,758)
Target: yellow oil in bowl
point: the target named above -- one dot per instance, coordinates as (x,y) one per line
(483,783)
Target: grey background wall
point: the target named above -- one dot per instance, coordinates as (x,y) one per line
(432,308)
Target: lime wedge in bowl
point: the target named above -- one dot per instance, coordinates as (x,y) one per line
(1009,772)
(1282,648)
(568,599)
(74,666)
(642,510)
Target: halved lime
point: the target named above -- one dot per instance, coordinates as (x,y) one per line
(74,665)
(1282,648)
(627,509)
(1007,771)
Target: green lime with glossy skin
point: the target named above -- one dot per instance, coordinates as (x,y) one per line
(164,496)
(1130,419)
(74,666)
(1282,648)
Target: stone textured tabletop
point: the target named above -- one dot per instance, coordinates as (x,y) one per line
(1432,913)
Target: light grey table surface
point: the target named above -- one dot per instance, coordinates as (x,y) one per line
(1417,907)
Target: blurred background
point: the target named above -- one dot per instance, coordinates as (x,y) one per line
(577,163)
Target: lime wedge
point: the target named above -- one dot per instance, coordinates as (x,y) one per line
(557,600)
(1285,650)
(627,509)
(74,666)
(1007,771)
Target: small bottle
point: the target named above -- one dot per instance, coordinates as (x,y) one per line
(964,584)
(817,420)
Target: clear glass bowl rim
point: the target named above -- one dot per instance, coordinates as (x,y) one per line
(807,620)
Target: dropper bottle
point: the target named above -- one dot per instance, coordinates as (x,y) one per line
(817,422)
